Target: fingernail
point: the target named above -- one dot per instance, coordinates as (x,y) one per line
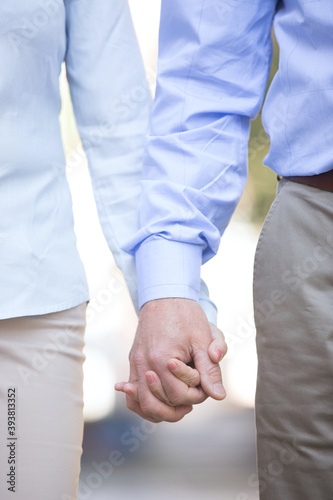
(172,365)
(150,378)
(219,354)
(219,389)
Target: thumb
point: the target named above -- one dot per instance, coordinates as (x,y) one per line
(210,375)
(217,349)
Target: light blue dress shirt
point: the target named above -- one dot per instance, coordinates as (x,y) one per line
(214,62)
(40,269)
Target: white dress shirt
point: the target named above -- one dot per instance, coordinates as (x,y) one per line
(40,269)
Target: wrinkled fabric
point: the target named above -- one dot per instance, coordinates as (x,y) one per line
(293,297)
(40,269)
(214,62)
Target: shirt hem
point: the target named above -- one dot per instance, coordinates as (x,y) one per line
(8,314)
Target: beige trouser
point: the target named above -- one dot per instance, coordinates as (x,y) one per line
(41,402)
(293,297)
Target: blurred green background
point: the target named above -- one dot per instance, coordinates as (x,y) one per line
(260,189)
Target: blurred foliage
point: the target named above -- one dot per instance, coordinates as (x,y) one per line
(69,132)
(261,186)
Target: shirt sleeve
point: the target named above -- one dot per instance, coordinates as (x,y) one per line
(112,103)
(213,66)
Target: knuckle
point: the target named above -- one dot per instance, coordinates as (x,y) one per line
(135,358)
(213,371)
(176,400)
(194,380)
(131,356)
(155,357)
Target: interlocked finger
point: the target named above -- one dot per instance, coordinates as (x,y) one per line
(184,395)
(190,376)
(153,409)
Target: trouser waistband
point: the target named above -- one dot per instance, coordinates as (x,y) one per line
(320,181)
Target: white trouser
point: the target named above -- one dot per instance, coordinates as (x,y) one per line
(41,403)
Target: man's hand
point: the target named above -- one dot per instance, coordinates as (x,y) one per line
(171,334)
(190,376)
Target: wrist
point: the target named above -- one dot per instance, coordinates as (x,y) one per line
(165,302)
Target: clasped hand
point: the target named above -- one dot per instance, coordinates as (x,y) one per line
(174,361)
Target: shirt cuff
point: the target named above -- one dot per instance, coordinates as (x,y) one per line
(207,305)
(167,268)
